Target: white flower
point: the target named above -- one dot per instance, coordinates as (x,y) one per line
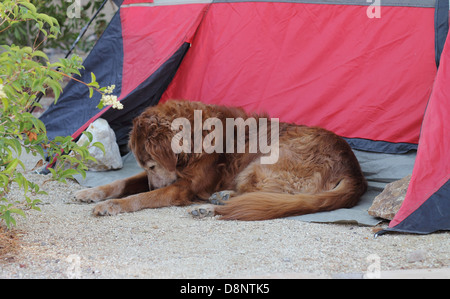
(2,93)
(110,100)
(110,89)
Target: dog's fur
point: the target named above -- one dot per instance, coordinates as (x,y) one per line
(316,171)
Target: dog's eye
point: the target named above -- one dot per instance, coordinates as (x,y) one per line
(152,167)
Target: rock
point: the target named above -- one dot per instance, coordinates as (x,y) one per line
(388,202)
(102,132)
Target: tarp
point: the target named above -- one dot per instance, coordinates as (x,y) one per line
(378,168)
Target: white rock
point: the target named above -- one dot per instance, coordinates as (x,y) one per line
(102,132)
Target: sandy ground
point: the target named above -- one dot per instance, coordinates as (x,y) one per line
(65,240)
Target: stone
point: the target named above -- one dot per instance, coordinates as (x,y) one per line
(388,202)
(102,132)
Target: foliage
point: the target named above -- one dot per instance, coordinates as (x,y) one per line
(24,73)
(70,18)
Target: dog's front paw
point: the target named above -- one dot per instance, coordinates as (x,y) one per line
(202,211)
(90,195)
(107,208)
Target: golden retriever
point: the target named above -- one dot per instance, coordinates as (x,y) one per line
(316,170)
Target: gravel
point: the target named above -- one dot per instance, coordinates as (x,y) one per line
(65,240)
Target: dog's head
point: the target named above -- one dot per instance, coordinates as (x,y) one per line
(153,133)
(150,141)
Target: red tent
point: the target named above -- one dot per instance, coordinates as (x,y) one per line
(427,204)
(363,69)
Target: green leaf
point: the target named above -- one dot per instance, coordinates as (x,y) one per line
(5,103)
(11,166)
(100,146)
(38,85)
(40,150)
(55,24)
(55,86)
(38,124)
(53,172)
(93,84)
(46,18)
(28,5)
(88,135)
(8,218)
(68,173)
(10,92)
(40,54)
(27,50)
(82,172)
(4,180)
(21,164)
(17,86)
(17,211)
(56,64)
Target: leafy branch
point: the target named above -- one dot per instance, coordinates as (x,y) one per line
(24,73)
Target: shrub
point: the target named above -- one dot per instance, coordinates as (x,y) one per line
(24,73)
(71,20)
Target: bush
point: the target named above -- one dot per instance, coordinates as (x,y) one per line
(71,20)
(24,73)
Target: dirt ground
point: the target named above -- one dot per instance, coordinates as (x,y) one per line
(64,240)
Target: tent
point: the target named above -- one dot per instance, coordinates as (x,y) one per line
(374,72)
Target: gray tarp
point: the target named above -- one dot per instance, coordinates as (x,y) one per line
(379,170)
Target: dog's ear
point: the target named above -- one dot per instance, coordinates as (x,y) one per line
(157,139)
(147,125)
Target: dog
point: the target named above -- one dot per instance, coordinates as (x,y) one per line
(316,170)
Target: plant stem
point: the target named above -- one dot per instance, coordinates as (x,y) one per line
(79,81)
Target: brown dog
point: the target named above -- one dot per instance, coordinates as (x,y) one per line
(316,170)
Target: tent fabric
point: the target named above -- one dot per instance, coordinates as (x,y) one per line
(381,146)
(384,3)
(74,109)
(441,27)
(149,39)
(328,63)
(356,69)
(319,56)
(427,203)
(132,50)
(150,89)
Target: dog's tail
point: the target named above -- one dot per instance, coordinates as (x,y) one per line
(265,205)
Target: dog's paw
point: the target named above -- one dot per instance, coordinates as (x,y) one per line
(220,198)
(107,208)
(201,211)
(90,195)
